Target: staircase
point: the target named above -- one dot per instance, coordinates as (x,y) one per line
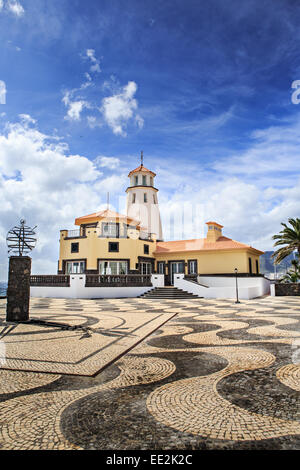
(168,293)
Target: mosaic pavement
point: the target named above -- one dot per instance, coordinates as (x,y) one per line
(212,375)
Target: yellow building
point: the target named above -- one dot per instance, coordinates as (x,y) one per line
(109,243)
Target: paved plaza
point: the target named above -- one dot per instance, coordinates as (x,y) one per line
(120,374)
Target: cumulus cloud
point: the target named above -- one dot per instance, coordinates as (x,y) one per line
(95,67)
(107,162)
(75,107)
(15,7)
(41,182)
(2,92)
(120,108)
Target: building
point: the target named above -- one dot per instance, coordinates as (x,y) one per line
(109,243)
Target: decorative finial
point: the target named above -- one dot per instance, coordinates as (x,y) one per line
(142,158)
(21,239)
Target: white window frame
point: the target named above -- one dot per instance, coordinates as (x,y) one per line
(72,268)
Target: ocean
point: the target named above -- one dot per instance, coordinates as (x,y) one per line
(3,287)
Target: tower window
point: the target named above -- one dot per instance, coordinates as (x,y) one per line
(144,181)
(145,197)
(136,180)
(151,180)
(154,199)
(133,198)
(74,247)
(113,247)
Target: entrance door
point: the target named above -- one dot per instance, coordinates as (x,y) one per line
(177,267)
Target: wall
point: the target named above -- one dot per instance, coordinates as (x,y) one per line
(77,290)
(246,290)
(93,247)
(290,289)
(214,262)
(243,282)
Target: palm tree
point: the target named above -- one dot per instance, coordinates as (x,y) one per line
(290,237)
(293,274)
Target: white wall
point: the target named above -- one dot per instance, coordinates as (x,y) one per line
(227,290)
(243,282)
(77,290)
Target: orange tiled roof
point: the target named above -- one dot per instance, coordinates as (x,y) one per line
(142,168)
(101,215)
(201,244)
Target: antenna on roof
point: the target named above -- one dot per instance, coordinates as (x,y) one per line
(142,158)
(107,201)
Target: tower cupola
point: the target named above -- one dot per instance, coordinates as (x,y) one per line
(142,200)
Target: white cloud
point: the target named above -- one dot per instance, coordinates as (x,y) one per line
(42,183)
(95,67)
(120,108)
(75,107)
(2,92)
(15,7)
(1,4)
(107,162)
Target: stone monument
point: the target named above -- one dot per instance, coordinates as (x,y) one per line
(20,241)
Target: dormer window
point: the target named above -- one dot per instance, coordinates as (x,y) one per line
(144,180)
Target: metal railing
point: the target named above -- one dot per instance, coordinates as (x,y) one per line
(120,280)
(50,281)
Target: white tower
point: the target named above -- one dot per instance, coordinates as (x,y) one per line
(142,202)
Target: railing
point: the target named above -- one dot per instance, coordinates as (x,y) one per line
(121,280)
(50,281)
(73,233)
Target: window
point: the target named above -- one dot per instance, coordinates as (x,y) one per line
(146,268)
(151,180)
(145,197)
(257,267)
(154,199)
(110,230)
(161,268)
(113,267)
(136,180)
(74,247)
(192,265)
(113,247)
(144,180)
(75,267)
(146,249)
(133,198)
(250,265)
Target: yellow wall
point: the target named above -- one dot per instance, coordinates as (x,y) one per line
(214,262)
(93,248)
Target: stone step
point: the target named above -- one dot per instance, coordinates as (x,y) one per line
(168,293)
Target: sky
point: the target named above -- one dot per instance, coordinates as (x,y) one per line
(207,89)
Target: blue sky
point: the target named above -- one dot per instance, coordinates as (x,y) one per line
(204,88)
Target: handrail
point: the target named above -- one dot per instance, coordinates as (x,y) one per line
(118,280)
(59,280)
